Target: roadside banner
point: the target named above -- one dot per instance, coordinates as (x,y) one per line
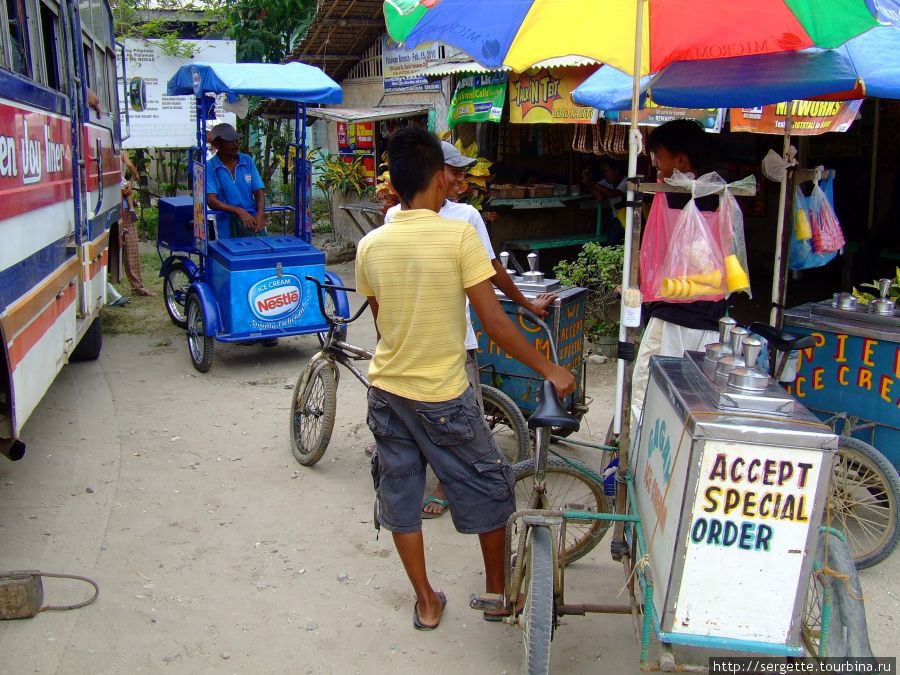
(653,115)
(401,67)
(540,95)
(808,118)
(155,119)
(478,98)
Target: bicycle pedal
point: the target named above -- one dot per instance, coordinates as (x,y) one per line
(486,601)
(618,548)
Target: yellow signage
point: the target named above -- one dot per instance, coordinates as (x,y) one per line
(542,95)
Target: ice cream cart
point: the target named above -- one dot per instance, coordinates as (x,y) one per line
(250,288)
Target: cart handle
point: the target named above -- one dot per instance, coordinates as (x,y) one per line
(333,319)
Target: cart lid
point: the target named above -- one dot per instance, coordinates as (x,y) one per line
(244,246)
(287,243)
(289,81)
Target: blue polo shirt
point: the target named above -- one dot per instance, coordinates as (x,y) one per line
(237,191)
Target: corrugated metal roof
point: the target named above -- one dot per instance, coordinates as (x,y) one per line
(460,67)
(368,114)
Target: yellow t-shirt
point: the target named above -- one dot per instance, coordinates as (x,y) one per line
(417,267)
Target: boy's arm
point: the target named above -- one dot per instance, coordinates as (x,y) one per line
(508,337)
(373,305)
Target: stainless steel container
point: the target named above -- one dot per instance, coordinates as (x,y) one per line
(730,496)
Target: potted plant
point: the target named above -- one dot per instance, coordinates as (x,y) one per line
(342,182)
(598,269)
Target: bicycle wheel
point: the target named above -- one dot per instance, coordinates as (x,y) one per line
(834,586)
(199,345)
(538,614)
(175,288)
(312,415)
(507,424)
(571,487)
(864,501)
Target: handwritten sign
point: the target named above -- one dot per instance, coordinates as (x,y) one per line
(541,95)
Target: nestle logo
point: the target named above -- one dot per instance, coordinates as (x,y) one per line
(275,298)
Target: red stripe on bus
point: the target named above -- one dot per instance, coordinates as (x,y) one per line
(33,333)
(18,201)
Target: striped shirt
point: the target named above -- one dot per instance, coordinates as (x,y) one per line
(417,267)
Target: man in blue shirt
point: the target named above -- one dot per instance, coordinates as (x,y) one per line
(233,184)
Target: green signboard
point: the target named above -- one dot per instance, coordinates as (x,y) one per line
(478,98)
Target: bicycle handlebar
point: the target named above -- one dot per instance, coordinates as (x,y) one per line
(333,319)
(537,321)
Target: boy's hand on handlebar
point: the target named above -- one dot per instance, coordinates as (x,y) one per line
(562,379)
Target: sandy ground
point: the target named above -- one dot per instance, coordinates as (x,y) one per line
(216,552)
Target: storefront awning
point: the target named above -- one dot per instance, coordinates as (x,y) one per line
(368,114)
(473,67)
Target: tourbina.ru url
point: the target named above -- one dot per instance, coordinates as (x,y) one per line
(779,666)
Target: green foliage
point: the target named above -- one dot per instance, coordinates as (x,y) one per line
(148,222)
(599,269)
(340,176)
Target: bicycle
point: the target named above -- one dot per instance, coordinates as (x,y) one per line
(864,499)
(314,400)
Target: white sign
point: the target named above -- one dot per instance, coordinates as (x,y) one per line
(661,470)
(401,68)
(157,120)
(746,541)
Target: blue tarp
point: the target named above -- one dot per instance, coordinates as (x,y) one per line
(288,81)
(751,81)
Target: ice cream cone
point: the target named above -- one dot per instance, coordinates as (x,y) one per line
(713,278)
(735,276)
(802,229)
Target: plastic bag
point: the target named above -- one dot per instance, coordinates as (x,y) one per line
(827,236)
(802,256)
(734,248)
(682,261)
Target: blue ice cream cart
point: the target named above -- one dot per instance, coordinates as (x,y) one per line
(250,288)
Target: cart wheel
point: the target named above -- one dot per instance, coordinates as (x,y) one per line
(834,619)
(538,614)
(507,424)
(199,345)
(312,415)
(331,306)
(175,289)
(570,486)
(864,501)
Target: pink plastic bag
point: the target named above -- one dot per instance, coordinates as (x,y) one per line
(826,230)
(681,255)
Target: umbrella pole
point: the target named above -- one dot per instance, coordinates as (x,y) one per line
(622,419)
(779,282)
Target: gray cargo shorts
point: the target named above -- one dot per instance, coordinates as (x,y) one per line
(454,439)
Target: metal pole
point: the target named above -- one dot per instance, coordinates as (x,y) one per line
(778,283)
(633,151)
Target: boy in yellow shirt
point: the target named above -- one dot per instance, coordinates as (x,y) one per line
(417,272)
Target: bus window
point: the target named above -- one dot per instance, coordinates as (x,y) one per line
(52,47)
(88,75)
(17,33)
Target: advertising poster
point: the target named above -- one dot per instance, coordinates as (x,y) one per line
(544,96)
(653,115)
(356,138)
(401,68)
(808,118)
(155,119)
(478,98)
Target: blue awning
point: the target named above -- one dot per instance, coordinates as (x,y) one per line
(297,82)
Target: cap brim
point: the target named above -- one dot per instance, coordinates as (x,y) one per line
(461,162)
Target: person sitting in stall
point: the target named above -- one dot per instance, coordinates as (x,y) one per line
(233,184)
(610,192)
(676,327)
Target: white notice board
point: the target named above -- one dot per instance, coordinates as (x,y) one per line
(157,120)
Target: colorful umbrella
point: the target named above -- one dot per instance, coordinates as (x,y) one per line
(519,33)
(864,66)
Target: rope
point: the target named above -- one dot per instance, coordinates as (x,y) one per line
(828,572)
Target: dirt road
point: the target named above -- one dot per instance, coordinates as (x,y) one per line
(216,552)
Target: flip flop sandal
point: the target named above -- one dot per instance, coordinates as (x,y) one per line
(418,625)
(431,499)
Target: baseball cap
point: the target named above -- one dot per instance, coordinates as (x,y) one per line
(455,158)
(224,131)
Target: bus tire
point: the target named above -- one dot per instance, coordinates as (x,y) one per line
(91,343)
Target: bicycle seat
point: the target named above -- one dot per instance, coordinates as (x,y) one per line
(783,342)
(550,413)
